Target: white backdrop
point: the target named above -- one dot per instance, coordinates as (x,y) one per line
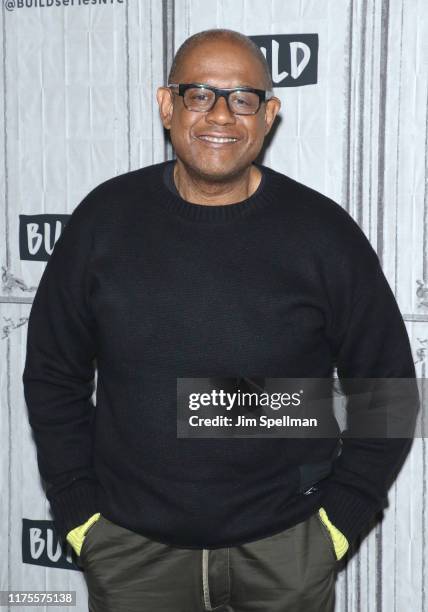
(79,106)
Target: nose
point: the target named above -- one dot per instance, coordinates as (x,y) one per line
(220,113)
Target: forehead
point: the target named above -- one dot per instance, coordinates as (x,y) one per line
(223,64)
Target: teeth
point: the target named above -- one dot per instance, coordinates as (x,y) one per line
(217,139)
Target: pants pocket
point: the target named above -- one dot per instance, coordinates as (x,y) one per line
(327,536)
(89,534)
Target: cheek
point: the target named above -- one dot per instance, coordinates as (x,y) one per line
(182,139)
(253,130)
(255,137)
(181,125)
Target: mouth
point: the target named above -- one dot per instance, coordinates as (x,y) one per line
(217,140)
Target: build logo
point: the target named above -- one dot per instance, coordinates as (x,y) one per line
(38,234)
(293,58)
(41,546)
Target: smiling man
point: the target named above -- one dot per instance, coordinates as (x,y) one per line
(217,134)
(209,265)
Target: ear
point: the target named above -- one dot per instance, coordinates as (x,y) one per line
(271,110)
(165,100)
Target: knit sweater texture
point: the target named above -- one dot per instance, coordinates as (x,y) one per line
(143,287)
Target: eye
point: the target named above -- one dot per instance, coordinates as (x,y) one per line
(241,101)
(199,97)
(245,100)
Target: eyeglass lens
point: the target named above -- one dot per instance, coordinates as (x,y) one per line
(240,102)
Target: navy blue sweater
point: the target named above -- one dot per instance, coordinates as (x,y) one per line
(144,287)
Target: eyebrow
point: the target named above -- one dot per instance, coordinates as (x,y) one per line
(234,87)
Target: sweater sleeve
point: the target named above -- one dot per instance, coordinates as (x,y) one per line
(59,371)
(369,341)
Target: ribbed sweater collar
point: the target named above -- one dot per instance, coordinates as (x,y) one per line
(168,196)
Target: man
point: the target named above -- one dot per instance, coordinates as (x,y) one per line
(210,265)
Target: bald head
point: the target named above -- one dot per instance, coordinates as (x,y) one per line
(220,35)
(220,59)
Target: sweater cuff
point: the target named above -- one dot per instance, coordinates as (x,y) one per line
(348,511)
(72,505)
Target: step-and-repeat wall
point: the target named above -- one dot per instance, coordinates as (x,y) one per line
(78,106)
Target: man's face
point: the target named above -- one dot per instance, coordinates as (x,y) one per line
(221,64)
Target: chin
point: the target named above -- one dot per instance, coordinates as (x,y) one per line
(217,171)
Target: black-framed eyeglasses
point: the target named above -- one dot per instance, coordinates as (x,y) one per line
(240,100)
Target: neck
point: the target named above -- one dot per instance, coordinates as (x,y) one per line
(197,190)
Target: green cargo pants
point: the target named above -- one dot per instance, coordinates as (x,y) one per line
(291,571)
